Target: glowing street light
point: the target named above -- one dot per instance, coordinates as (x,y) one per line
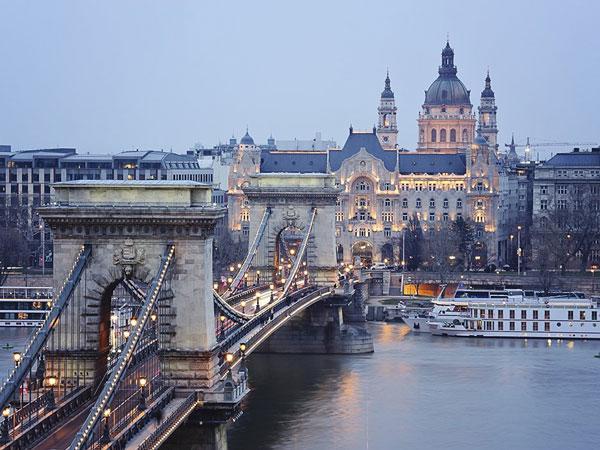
(52,381)
(17,358)
(105,439)
(142,382)
(4,436)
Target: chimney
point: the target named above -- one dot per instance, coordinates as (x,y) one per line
(576,150)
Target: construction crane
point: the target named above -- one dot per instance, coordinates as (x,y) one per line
(528,146)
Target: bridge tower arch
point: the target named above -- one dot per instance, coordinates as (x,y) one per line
(297,204)
(128,227)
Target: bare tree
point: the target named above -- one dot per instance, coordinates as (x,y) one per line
(441,249)
(227,251)
(463,233)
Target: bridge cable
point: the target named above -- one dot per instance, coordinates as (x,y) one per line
(110,387)
(39,338)
(300,255)
(251,253)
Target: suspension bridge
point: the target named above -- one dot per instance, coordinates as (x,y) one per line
(136,330)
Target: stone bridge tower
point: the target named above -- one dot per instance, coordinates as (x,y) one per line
(291,199)
(129,225)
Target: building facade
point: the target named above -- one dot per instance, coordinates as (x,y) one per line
(566,210)
(454,173)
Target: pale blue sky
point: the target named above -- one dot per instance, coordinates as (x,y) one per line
(104,76)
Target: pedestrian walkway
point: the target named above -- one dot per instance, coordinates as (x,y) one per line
(151,426)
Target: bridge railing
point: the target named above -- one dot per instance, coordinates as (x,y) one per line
(262,317)
(87,430)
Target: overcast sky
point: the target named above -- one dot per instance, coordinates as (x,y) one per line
(106,76)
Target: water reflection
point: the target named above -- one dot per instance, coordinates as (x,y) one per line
(422,391)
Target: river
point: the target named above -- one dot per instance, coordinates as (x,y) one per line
(418,392)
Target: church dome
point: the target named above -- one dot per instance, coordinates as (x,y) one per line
(447,89)
(247,139)
(387,91)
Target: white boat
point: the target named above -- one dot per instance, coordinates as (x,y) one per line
(567,317)
(24,306)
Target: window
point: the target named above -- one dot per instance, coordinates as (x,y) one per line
(500,326)
(570,315)
(404,186)
(362,215)
(511,326)
(433,135)
(459,203)
(482,313)
(490,313)
(535,326)
(594,315)
(431,203)
(535,314)
(581,315)
(387,232)
(479,186)
(523,326)
(246,230)
(339,216)
(458,216)
(445,217)
(387,202)
(546,326)
(387,187)
(547,315)
(523,314)
(404,216)
(543,205)
(479,204)
(561,204)
(431,216)
(432,186)
(418,186)
(511,313)
(245,216)
(405,203)
(445,203)
(452,135)
(500,314)
(443,135)
(543,190)
(561,189)
(418,203)
(362,186)
(388,216)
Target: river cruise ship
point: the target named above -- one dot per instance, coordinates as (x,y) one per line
(548,318)
(24,306)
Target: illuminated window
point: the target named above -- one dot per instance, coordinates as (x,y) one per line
(245,216)
(339,216)
(387,216)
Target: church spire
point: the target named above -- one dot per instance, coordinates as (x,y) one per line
(447,66)
(487,91)
(387,91)
(386,125)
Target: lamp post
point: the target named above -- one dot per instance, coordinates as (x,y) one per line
(519,250)
(229,360)
(4,436)
(222,322)
(272,288)
(243,303)
(257,309)
(105,439)
(403,248)
(512,236)
(258,277)
(17,358)
(243,368)
(51,400)
(43,238)
(142,381)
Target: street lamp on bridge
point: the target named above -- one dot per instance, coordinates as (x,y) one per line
(272,288)
(142,381)
(4,436)
(257,309)
(105,439)
(51,399)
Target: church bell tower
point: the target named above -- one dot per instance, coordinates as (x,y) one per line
(387,130)
(487,125)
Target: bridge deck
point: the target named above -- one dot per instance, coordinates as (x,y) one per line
(61,438)
(151,426)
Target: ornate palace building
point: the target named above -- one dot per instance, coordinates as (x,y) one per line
(454,172)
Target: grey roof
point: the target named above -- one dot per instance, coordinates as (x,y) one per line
(169,183)
(577,159)
(95,157)
(30,156)
(293,162)
(447,89)
(370,143)
(429,163)
(480,140)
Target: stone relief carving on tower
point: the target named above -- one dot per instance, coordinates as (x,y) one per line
(128,257)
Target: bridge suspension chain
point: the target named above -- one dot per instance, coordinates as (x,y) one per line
(40,337)
(105,397)
(251,253)
(300,254)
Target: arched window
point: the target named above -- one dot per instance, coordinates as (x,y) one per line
(445,203)
(465,135)
(387,202)
(459,203)
(443,135)
(362,185)
(433,135)
(405,203)
(432,203)
(418,203)
(452,135)
(421,135)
